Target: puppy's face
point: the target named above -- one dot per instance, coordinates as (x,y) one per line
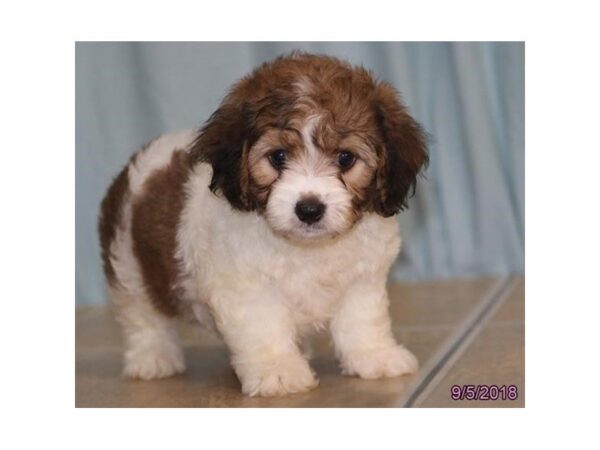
(310,179)
(312,144)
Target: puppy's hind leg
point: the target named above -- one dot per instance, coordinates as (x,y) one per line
(152,348)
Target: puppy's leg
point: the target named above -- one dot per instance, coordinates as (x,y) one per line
(361,331)
(260,333)
(152,348)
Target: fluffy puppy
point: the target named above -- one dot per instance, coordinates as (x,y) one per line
(273,220)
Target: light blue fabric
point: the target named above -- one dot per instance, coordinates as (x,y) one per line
(467,218)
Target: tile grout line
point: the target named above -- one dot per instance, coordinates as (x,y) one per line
(456,344)
(469,336)
(459,342)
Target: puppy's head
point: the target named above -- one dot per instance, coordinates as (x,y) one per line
(312,143)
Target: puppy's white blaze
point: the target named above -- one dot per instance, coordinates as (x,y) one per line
(304,86)
(307,133)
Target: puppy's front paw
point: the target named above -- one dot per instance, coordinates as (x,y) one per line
(151,363)
(382,363)
(280,377)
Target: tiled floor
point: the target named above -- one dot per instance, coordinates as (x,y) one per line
(467,332)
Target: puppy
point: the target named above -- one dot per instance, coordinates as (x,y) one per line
(273,220)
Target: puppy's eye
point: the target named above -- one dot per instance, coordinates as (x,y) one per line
(278,158)
(346,159)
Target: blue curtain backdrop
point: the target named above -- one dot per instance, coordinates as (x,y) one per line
(467,218)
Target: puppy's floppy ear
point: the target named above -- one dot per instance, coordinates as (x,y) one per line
(223,143)
(402,156)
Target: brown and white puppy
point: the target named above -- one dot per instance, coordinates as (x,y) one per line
(273,220)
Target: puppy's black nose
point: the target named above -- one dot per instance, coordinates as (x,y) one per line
(310,210)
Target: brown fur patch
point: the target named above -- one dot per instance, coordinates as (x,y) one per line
(155,219)
(111,213)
